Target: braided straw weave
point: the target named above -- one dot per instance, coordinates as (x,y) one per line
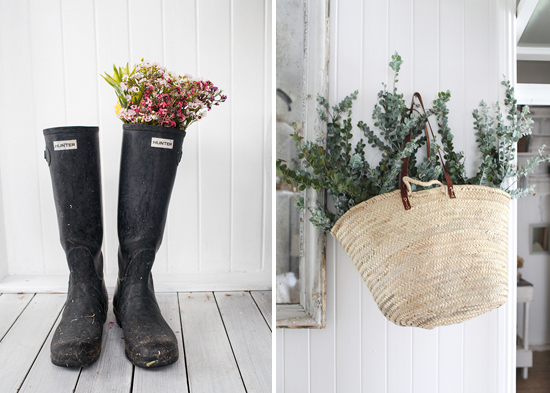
(441,262)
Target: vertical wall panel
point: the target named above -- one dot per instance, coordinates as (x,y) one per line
(113,47)
(426,81)
(479,334)
(479,70)
(451,359)
(79,32)
(52,53)
(401,38)
(180,47)
(296,362)
(424,360)
(269,164)
(451,51)
(16,61)
(373,323)
(214,47)
(446,45)
(50,99)
(480,350)
(247,132)
(347,325)
(80,105)
(147,42)
(18,137)
(348,289)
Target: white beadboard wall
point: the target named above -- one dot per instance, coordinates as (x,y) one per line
(461,45)
(52,52)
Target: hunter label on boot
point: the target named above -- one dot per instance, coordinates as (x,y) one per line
(64,145)
(162,143)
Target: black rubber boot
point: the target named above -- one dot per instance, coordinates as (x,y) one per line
(150,156)
(72,154)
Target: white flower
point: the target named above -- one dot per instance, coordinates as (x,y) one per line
(138,75)
(134,89)
(125,78)
(123,86)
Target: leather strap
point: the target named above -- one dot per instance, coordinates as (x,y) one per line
(405,165)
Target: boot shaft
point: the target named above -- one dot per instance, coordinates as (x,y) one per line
(149,161)
(72,154)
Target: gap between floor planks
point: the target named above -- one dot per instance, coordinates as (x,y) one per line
(225,345)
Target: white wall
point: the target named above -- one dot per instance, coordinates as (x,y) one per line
(51,54)
(461,45)
(536,269)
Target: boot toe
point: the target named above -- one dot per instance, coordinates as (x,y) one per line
(75,354)
(155,352)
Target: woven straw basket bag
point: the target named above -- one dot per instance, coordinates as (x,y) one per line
(442,261)
(433,257)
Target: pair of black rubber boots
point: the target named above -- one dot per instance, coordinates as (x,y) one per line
(150,156)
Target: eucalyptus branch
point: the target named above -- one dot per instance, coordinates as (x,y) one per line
(348,177)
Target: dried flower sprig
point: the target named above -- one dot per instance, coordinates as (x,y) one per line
(149,94)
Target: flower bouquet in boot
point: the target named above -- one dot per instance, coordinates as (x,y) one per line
(72,154)
(156,106)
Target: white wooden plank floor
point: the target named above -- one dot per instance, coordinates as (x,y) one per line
(224,338)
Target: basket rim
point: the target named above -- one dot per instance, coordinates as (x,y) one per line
(386,195)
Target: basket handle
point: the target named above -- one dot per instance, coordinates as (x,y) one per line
(407,180)
(406,188)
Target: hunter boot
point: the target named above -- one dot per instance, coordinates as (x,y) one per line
(72,154)
(150,157)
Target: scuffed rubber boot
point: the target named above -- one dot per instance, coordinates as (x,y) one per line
(72,154)
(150,156)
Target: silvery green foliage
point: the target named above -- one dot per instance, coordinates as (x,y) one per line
(349,179)
(341,168)
(496,137)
